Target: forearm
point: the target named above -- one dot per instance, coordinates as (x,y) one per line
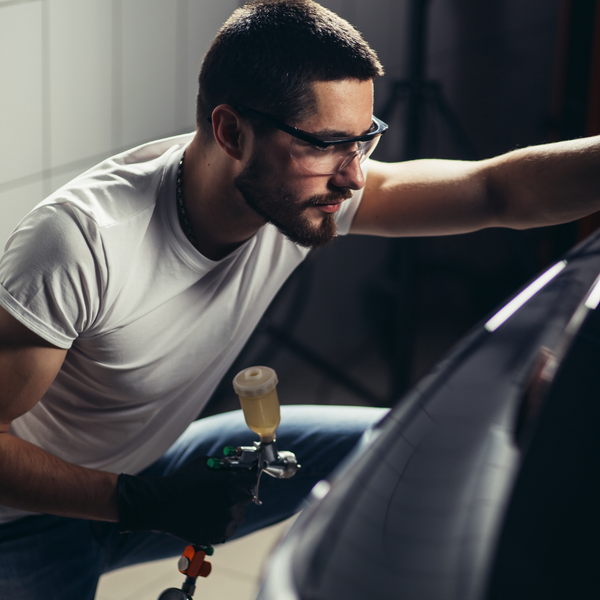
(545,185)
(34,480)
(530,187)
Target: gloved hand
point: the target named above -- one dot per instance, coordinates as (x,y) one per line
(196,504)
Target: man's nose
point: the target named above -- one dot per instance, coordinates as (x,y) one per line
(351,176)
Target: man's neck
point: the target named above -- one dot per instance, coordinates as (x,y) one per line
(220,219)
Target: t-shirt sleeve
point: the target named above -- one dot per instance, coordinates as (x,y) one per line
(52,275)
(345,216)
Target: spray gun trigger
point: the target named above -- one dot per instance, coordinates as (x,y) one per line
(255,498)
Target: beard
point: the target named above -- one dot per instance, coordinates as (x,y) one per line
(280,206)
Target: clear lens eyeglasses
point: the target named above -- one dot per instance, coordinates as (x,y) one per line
(326,156)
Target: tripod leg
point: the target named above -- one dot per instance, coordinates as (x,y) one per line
(400,90)
(405,273)
(459,137)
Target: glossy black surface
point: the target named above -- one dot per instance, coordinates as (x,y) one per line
(430,510)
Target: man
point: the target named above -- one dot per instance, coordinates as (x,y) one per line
(128,293)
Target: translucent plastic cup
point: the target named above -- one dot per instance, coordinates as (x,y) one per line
(257,390)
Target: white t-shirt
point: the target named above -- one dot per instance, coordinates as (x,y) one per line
(103,268)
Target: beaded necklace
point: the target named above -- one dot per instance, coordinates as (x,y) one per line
(184,220)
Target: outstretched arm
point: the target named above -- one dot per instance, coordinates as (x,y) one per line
(530,187)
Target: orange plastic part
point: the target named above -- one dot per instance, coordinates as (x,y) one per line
(197,566)
(205,569)
(189,554)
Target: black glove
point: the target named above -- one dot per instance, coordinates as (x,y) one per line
(196,504)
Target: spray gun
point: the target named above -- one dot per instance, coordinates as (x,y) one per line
(257,391)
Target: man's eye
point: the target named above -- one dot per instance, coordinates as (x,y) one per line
(308,147)
(345,148)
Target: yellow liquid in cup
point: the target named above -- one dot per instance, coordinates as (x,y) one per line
(262,414)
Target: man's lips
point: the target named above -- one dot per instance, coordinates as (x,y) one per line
(334,202)
(329,208)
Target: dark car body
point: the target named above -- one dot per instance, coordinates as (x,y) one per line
(482,482)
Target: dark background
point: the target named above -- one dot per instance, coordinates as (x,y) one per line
(515,73)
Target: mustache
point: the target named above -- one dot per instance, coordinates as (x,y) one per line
(331,198)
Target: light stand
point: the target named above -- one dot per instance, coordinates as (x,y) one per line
(417,92)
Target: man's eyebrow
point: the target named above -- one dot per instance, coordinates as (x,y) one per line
(335,133)
(332,133)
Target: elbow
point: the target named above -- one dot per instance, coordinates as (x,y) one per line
(510,203)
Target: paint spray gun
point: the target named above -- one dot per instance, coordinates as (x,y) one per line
(257,391)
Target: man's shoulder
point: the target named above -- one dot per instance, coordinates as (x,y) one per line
(121,186)
(151,151)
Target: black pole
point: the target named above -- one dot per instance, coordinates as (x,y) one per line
(417,45)
(416,92)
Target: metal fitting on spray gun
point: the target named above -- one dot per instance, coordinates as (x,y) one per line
(257,390)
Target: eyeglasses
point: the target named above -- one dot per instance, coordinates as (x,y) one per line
(326,155)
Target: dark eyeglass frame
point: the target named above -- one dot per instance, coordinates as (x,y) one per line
(321,142)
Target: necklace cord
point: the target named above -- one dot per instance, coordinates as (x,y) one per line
(184,219)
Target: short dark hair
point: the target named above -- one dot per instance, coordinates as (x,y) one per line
(269,52)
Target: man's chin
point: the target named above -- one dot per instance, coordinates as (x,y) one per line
(307,225)
(309,235)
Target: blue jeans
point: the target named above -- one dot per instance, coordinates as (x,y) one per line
(45,557)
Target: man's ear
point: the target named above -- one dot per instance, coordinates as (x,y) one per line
(230,131)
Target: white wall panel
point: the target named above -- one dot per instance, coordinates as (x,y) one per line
(21,85)
(149,69)
(80,79)
(14,205)
(205,18)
